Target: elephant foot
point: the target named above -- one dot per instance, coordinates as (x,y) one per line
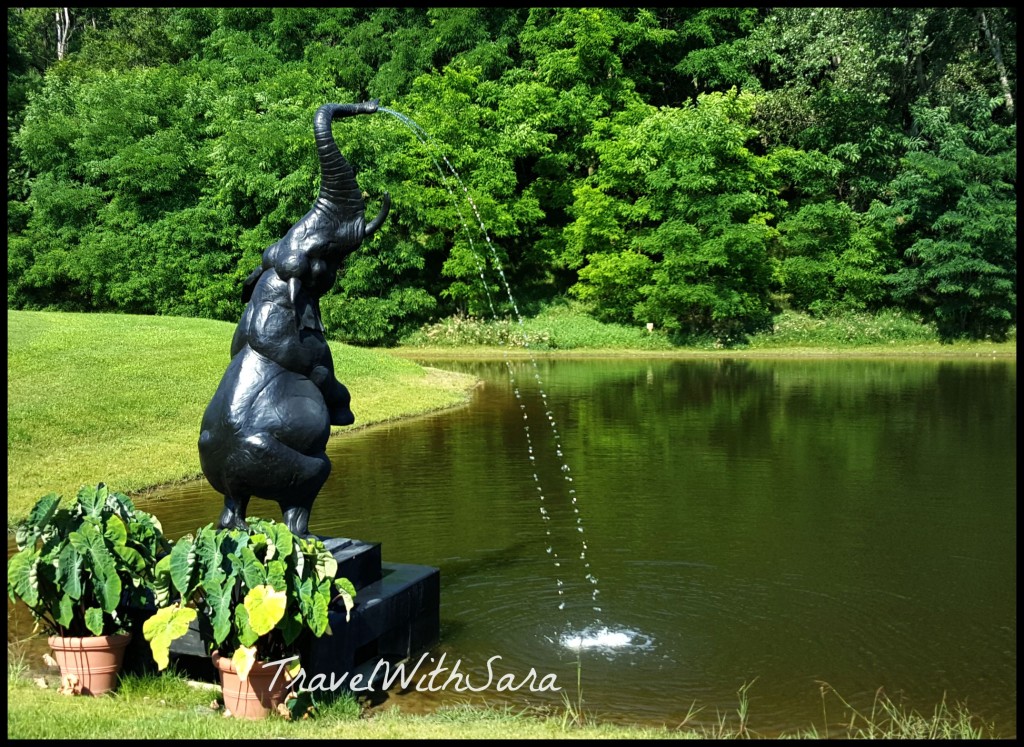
(296,518)
(233,515)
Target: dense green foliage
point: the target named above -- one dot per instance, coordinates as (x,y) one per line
(699,169)
(81,569)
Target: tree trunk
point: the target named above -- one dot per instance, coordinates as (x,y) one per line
(993,42)
(64,28)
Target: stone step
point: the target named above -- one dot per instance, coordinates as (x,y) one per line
(394,618)
(358,561)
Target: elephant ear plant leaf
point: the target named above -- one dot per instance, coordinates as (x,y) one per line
(255,592)
(167,625)
(80,570)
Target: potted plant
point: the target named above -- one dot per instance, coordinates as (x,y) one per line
(255,592)
(81,571)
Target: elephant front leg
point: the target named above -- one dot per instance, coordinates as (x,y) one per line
(233,515)
(296,518)
(336,396)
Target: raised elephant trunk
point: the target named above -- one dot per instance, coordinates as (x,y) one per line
(339,192)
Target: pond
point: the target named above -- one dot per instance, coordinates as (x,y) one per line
(768,524)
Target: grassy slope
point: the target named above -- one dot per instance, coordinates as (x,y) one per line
(119,398)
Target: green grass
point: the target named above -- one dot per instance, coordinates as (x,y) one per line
(167,707)
(118,398)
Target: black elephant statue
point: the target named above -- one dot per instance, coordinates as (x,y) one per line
(266,429)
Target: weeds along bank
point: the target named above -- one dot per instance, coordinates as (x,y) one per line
(569,329)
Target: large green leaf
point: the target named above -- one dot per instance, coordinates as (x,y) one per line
(281,540)
(276,574)
(69,571)
(317,621)
(266,607)
(161,581)
(209,557)
(115,532)
(246,635)
(291,626)
(253,572)
(165,627)
(107,584)
(304,591)
(22,577)
(120,505)
(66,611)
(218,602)
(92,499)
(183,566)
(94,620)
(38,519)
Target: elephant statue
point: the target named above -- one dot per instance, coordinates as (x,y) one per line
(265,431)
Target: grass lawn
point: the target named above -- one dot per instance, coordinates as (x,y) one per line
(166,707)
(118,398)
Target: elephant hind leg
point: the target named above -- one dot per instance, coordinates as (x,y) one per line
(285,475)
(296,518)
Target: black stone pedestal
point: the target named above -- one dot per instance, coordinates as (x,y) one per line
(396,614)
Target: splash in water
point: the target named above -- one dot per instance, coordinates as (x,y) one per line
(605,639)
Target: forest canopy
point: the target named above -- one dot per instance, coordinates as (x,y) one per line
(700,169)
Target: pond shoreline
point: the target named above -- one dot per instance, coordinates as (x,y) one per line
(965,351)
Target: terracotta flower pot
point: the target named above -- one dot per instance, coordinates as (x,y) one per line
(95,660)
(251,698)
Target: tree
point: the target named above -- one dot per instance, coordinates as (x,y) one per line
(681,188)
(954,208)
